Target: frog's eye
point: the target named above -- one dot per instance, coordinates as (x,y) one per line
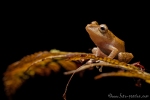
(103,28)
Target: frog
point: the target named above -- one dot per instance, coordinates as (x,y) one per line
(107,44)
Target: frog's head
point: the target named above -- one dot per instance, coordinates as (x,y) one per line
(98,33)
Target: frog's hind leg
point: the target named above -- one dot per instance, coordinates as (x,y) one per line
(125,57)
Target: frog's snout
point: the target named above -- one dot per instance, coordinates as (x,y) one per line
(88,26)
(92,27)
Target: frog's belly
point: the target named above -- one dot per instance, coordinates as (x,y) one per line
(106,51)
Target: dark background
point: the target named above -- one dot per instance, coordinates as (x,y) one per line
(29,28)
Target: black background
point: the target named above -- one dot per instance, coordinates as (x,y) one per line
(32,27)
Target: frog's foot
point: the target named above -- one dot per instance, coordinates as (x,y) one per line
(95,61)
(100,69)
(125,57)
(90,61)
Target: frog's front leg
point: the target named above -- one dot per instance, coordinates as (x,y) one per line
(122,56)
(112,55)
(125,57)
(97,52)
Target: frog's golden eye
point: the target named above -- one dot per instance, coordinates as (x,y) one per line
(103,28)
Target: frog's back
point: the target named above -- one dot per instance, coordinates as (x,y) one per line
(116,42)
(119,44)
